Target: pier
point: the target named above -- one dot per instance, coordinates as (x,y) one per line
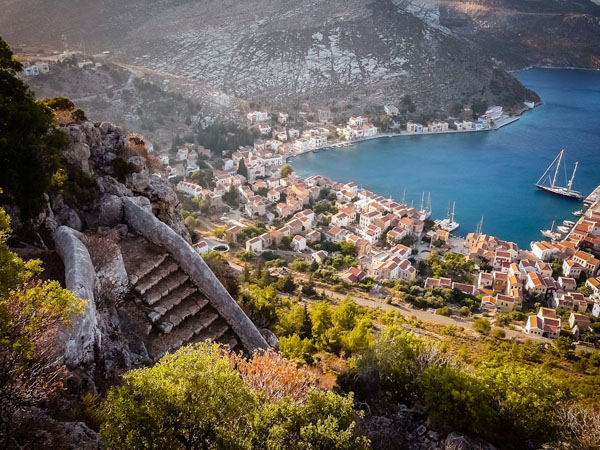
(593,198)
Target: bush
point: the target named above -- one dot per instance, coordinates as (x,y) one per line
(195,398)
(465,311)
(78,115)
(482,326)
(456,401)
(498,333)
(444,311)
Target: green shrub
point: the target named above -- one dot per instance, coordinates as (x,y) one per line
(482,326)
(498,333)
(444,311)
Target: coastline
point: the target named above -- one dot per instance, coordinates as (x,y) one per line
(552,68)
(497,126)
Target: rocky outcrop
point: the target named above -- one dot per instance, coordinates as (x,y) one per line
(94,149)
(80,278)
(398,426)
(191,262)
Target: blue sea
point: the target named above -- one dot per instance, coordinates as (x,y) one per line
(490,174)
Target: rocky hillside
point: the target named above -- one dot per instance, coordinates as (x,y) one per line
(521,33)
(350,55)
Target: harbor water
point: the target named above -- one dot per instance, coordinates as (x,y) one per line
(490,174)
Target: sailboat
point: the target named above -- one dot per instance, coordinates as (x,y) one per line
(551,233)
(448,223)
(559,190)
(425,212)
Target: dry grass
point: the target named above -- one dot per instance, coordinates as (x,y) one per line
(268,372)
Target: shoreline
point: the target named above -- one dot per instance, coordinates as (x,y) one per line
(501,124)
(553,68)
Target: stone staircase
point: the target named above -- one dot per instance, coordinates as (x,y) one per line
(176,309)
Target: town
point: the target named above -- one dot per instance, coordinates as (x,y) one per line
(351,239)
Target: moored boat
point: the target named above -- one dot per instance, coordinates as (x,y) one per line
(553,187)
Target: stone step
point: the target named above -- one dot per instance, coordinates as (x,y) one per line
(150,280)
(230,341)
(217,329)
(189,307)
(184,332)
(144,269)
(165,286)
(174,298)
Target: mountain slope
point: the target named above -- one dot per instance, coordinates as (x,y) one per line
(351,55)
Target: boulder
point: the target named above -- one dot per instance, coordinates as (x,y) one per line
(138,182)
(458,441)
(110,185)
(270,337)
(78,154)
(106,211)
(70,218)
(142,202)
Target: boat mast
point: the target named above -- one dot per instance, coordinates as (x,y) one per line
(422,200)
(557,167)
(404,197)
(570,185)
(452,218)
(480,227)
(548,169)
(429,202)
(448,212)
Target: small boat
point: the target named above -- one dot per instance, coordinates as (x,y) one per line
(553,187)
(551,233)
(568,223)
(448,224)
(578,213)
(563,229)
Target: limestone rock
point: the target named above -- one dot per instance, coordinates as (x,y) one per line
(106,211)
(110,185)
(78,154)
(270,337)
(142,202)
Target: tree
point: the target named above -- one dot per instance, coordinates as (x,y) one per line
(479,107)
(30,145)
(286,284)
(456,401)
(242,169)
(30,313)
(286,170)
(308,288)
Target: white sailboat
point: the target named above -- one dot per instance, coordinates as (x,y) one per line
(425,212)
(551,233)
(559,190)
(448,223)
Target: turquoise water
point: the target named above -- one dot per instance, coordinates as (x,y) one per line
(487,173)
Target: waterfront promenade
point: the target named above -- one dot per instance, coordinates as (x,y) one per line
(497,125)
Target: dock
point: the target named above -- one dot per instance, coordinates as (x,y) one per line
(593,198)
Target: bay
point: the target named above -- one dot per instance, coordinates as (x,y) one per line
(490,174)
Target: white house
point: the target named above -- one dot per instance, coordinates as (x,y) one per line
(339,220)
(319,256)
(254,245)
(299,243)
(201,247)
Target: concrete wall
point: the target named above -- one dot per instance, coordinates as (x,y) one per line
(148,226)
